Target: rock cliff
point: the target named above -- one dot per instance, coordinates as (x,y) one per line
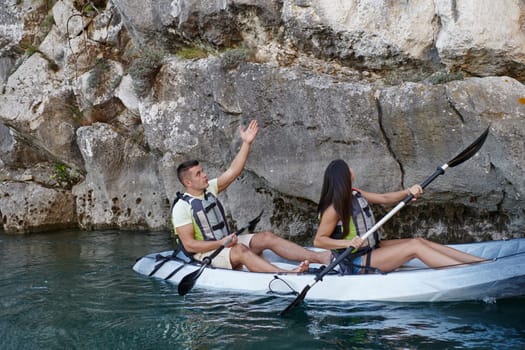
(101,100)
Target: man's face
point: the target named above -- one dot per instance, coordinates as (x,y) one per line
(196,179)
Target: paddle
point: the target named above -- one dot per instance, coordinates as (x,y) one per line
(466,154)
(188,281)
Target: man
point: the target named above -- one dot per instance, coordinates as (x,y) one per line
(200,223)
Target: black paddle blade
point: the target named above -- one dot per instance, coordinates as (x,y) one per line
(470,150)
(254,222)
(297,300)
(187,283)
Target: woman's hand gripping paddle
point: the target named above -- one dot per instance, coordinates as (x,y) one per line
(188,281)
(466,154)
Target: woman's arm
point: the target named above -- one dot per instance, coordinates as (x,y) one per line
(327,225)
(391,197)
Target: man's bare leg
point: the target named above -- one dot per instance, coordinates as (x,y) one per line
(287,249)
(242,255)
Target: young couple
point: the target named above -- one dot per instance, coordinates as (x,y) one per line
(201,228)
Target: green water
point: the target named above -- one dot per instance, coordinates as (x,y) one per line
(76,290)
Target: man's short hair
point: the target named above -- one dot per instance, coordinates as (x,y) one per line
(183,168)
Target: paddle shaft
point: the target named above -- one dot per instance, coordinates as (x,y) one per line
(188,281)
(207,260)
(249,226)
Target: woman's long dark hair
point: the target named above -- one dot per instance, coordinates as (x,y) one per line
(337,190)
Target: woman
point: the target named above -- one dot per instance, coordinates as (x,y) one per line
(341,209)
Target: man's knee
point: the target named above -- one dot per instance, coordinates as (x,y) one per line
(238,254)
(263,239)
(239,249)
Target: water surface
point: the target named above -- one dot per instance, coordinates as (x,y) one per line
(76,290)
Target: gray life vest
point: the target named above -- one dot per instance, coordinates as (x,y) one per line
(208,217)
(362,220)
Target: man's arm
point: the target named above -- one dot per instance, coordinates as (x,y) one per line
(192,245)
(240,159)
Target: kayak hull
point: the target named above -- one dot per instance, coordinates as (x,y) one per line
(502,276)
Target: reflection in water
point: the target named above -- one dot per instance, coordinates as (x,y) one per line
(77,290)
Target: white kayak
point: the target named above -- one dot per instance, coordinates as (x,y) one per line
(501,276)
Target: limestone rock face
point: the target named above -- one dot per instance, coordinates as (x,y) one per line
(101,101)
(122,188)
(459,35)
(472,37)
(11,26)
(28,207)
